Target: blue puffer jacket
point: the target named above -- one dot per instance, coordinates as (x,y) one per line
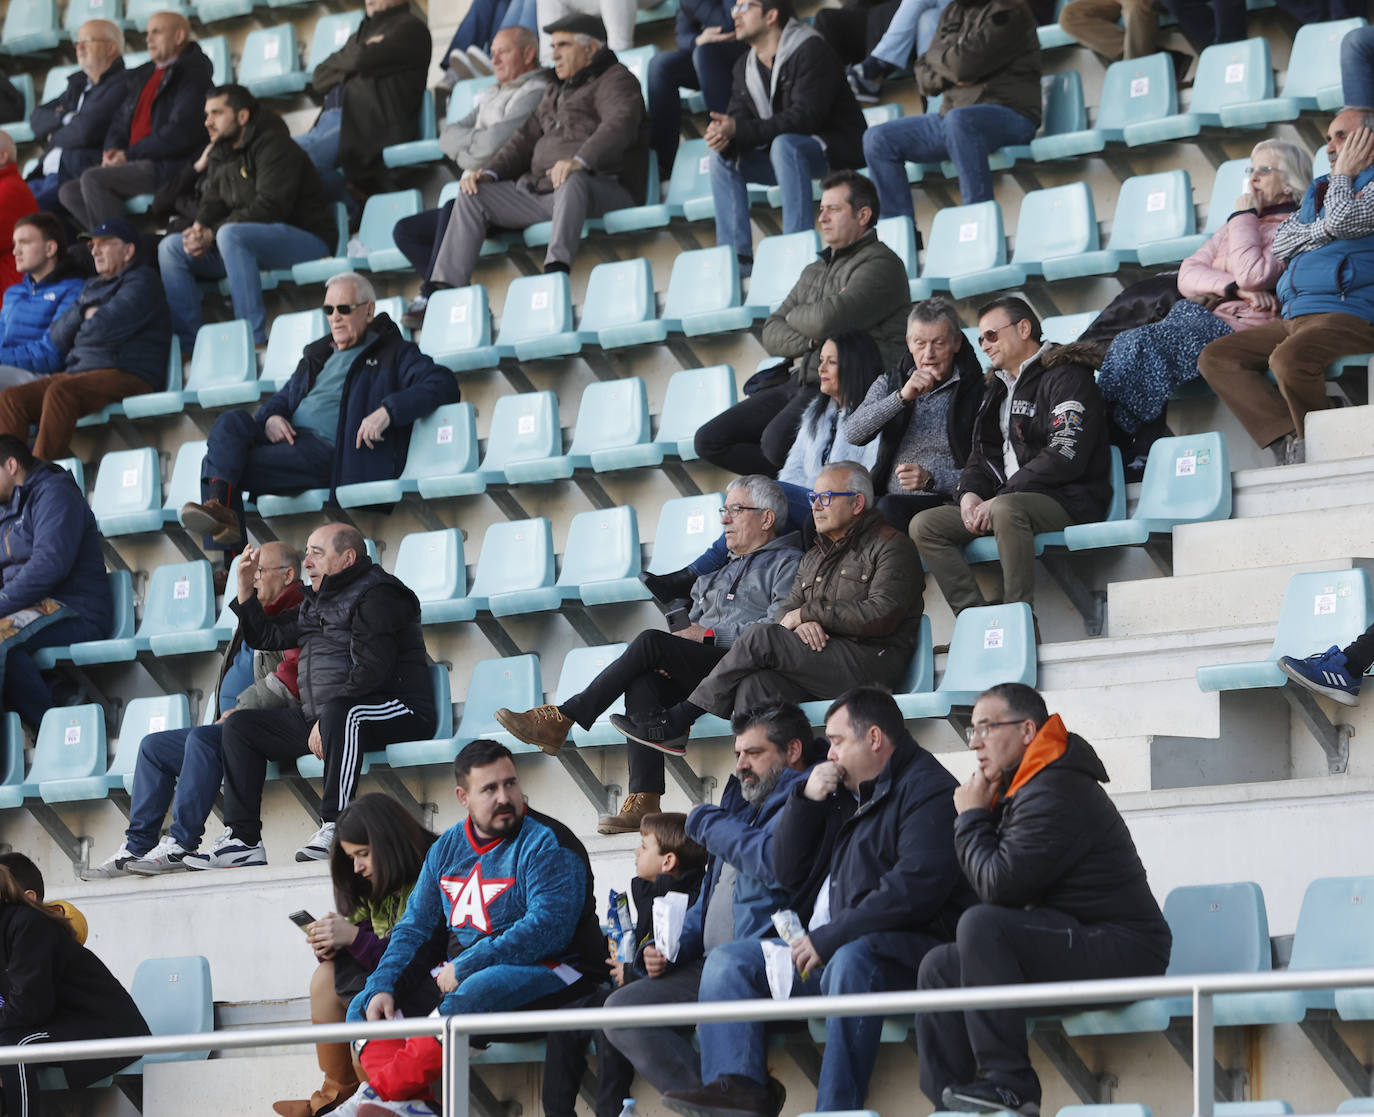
(388,372)
(29,309)
(131,331)
(49,547)
(1337,278)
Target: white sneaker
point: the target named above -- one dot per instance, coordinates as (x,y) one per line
(116,866)
(167,855)
(379,1108)
(319,845)
(480,61)
(364,1093)
(227,853)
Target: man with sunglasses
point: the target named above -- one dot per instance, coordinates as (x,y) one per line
(343,417)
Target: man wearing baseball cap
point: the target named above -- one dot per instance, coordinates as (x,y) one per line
(114,339)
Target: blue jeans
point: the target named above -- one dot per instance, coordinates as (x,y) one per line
(25,691)
(1357,66)
(798,513)
(910,33)
(709,68)
(964,135)
(735,972)
(242,250)
(791,162)
(44,189)
(187,760)
(321,143)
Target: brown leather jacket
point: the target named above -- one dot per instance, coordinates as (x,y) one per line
(985,52)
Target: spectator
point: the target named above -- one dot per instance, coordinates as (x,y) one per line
(880,40)
(666,861)
(16,201)
(616,16)
(49,284)
(1039,462)
(56,991)
(852,617)
(327,426)
(158,128)
(1062,897)
(363,679)
(583,151)
(985,66)
(1227,286)
(512,890)
(468,52)
(1326,300)
(1357,66)
(857,284)
(1335,673)
(890,890)
(115,339)
(1118,29)
(737,898)
(792,118)
(372,88)
(261,208)
(30,882)
(921,414)
(660,668)
(183,768)
(705,58)
(73,125)
(470,142)
(374,863)
(53,589)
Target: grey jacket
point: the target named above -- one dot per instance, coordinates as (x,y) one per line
(267,692)
(747,589)
(500,110)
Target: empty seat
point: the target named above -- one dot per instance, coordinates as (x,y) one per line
(68,755)
(537,319)
(963,239)
(224,366)
(457,331)
(139,12)
(30,26)
(523,439)
(462,99)
(636,60)
(899,234)
(694,395)
(216,49)
(55,82)
(1064,328)
(1054,223)
(379,251)
(1313,80)
(432,564)
(1133,90)
(619,307)
(1228,183)
(991,644)
(142,716)
(601,559)
(613,427)
(1150,208)
(128,493)
(1227,74)
(689,182)
(580,667)
(515,569)
(703,293)
(778,262)
(512,682)
(79,11)
(175,997)
(178,611)
(424,148)
(441,462)
(687,525)
(270,65)
(215,11)
(287,338)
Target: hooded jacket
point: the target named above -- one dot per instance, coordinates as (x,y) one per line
(131,329)
(29,310)
(985,52)
(1238,255)
(82,139)
(747,589)
(178,118)
(1055,840)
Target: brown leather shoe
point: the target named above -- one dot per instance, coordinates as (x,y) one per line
(212,518)
(545,727)
(632,813)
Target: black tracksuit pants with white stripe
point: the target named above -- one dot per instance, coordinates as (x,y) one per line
(349,727)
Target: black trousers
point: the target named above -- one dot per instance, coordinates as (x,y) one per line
(657,670)
(565,1063)
(855,30)
(349,727)
(19,1082)
(419,238)
(1359,655)
(1010,946)
(898,509)
(755,435)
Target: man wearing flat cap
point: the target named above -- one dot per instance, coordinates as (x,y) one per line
(582,152)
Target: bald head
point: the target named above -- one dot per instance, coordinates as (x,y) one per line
(168,34)
(98,43)
(7,149)
(332,548)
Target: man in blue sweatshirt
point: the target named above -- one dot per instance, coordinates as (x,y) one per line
(49,284)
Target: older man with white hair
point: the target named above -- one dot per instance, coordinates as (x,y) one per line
(343,417)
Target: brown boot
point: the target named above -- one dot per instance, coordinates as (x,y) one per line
(545,727)
(340,1083)
(212,518)
(632,813)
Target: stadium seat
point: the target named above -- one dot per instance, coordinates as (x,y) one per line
(128,493)
(580,667)
(462,99)
(139,12)
(21,131)
(1227,184)
(703,293)
(601,558)
(224,365)
(1266,1107)
(991,644)
(778,262)
(287,338)
(636,60)
(437,748)
(457,331)
(101,417)
(379,253)
(619,308)
(1150,208)
(1064,328)
(524,437)
(899,234)
(613,427)
(1238,73)
(1054,223)
(291,504)
(178,610)
(1356,1105)
(76,469)
(332,31)
(216,49)
(687,525)
(79,11)
(433,565)
(963,239)
(69,752)
(55,83)
(689,182)
(110,649)
(1134,90)
(30,26)
(141,717)
(1312,82)
(537,319)
(694,395)
(1187,480)
(541,232)
(441,462)
(515,569)
(12,769)
(919,679)
(175,997)
(133,59)
(270,65)
(424,148)
(1051,35)
(1108,1109)
(217,11)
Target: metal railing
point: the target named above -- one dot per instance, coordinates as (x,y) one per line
(453,1031)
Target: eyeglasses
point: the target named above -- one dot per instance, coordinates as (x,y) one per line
(989,336)
(265,569)
(733,510)
(743,6)
(980,731)
(824,499)
(342,308)
(1259,171)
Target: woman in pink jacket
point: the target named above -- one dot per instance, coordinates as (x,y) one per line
(1227,285)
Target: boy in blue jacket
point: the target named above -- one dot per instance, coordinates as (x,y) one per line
(49,283)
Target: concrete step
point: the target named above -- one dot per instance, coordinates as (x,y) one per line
(1340,433)
(1317,533)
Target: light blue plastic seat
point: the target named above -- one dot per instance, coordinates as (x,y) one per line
(1062,109)
(1356,1105)
(21,131)
(918,679)
(55,82)
(1054,223)
(332,32)
(537,320)
(30,26)
(1187,480)
(689,182)
(637,60)
(1319,609)
(1149,209)
(224,365)
(899,234)
(1313,80)
(1133,91)
(380,214)
(991,644)
(133,59)
(613,429)
(178,610)
(1264,1107)
(270,65)
(1051,35)
(457,331)
(441,462)
(778,263)
(128,493)
(424,148)
(515,570)
(963,239)
(601,559)
(75,467)
(287,338)
(143,716)
(1237,73)
(176,998)
(512,682)
(619,307)
(1114,1109)
(1064,328)
(110,649)
(216,49)
(216,11)
(703,293)
(525,442)
(1227,184)
(580,667)
(69,755)
(432,564)
(694,396)
(462,99)
(541,232)
(687,525)
(12,769)
(79,11)
(435,749)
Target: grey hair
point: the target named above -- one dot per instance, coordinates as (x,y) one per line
(1294,165)
(935,309)
(763,492)
(856,478)
(1366,115)
(523,36)
(363,291)
(584,40)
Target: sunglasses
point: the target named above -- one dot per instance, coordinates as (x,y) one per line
(987,337)
(341,308)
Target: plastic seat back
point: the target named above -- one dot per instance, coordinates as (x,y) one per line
(1062,107)
(1064,328)
(1218,928)
(12,761)
(224,355)
(694,395)
(516,556)
(70,746)
(55,83)
(443,443)
(432,564)
(581,666)
(1268,1107)
(612,414)
(1059,221)
(180,598)
(536,306)
(1136,90)
(687,525)
(691,177)
(129,481)
(1314,65)
(24,84)
(1150,208)
(899,234)
(991,644)
(463,99)
(175,997)
(142,716)
(603,545)
(216,49)
(456,319)
(380,215)
(512,682)
(1335,925)
(636,60)
(703,280)
(79,11)
(965,239)
(1227,186)
(269,52)
(618,294)
(523,428)
(1232,74)
(1187,480)
(1322,608)
(331,32)
(29,19)
(288,337)
(778,262)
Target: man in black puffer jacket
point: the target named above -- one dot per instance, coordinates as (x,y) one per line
(1063,898)
(364,683)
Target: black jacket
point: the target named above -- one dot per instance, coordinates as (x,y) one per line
(889,856)
(644,893)
(11,100)
(131,331)
(178,119)
(1058,430)
(50,983)
(359,635)
(82,140)
(959,422)
(268,179)
(1055,840)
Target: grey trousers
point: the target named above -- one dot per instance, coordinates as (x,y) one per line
(664,1056)
(940,536)
(100,193)
(511,205)
(769,663)
(10,376)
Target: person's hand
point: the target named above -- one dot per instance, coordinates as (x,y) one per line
(823,782)
(382,1006)
(791,620)
(912,477)
(720,131)
(805,956)
(204,160)
(812,635)
(692,632)
(470,181)
(246,571)
(114,158)
(279,429)
(921,380)
(1260,300)
(975,793)
(223,717)
(316,742)
(374,40)
(371,428)
(563,170)
(1356,155)
(716,35)
(975,514)
(446,978)
(196,240)
(617,969)
(91,312)
(331,932)
(1245,201)
(655,964)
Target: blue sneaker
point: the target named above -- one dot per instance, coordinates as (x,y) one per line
(1324,673)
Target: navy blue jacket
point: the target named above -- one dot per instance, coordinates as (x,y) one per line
(49,547)
(388,372)
(131,332)
(82,140)
(29,310)
(178,118)
(694,16)
(1338,277)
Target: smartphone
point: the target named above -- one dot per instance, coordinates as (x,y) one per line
(301,919)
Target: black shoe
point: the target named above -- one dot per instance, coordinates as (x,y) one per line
(668,588)
(984,1096)
(734,1095)
(657,731)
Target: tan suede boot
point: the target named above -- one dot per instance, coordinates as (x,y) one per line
(545,727)
(632,812)
(340,1083)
